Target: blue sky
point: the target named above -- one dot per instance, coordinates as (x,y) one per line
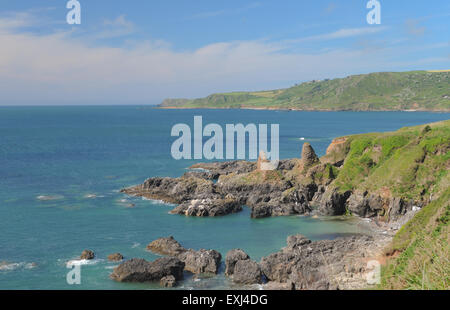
(140,52)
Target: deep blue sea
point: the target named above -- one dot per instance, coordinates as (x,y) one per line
(80,157)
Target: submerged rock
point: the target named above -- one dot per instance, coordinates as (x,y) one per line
(140,270)
(116,257)
(168,281)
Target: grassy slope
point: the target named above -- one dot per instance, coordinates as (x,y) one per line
(418,90)
(410,163)
(423,249)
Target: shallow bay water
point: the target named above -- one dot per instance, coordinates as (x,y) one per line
(61,169)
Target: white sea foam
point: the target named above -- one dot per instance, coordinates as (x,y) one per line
(80,262)
(5,266)
(135,245)
(49,197)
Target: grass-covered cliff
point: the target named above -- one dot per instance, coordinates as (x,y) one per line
(412,163)
(392,91)
(420,251)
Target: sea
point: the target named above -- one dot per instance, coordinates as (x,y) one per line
(62,169)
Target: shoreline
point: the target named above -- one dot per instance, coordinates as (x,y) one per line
(294,109)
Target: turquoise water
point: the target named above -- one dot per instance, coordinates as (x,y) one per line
(69,153)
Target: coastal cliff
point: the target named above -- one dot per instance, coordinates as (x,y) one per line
(392,178)
(383,91)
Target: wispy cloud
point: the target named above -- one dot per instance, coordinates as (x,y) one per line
(58,68)
(346,33)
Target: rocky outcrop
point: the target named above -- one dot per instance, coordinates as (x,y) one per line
(309,157)
(247,272)
(140,270)
(303,264)
(166,246)
(331,201)
(174,190)
(202,261)
(208,207)
(116,257)
(241,268)
(225,168)
(232,257)
(87,254)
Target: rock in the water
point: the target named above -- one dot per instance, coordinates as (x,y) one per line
(116,257)
(232,257)
(140,270)
(247,272)
(208,207)
(168,281)
(202,261)
(87,254)
(174,190)
(166,246)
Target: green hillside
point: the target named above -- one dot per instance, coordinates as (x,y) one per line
(415,90)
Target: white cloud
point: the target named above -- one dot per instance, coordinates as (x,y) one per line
(60,69)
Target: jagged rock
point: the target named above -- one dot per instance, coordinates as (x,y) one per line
(140,270)
(87,254)
(208,207)
(116,257)
(303,264)
(174,190)
(202,261)
(365,205)
(309,157)
(296,241)
(224,168)
(168,281)
(247,272)
(231,258)
(333,202)
(166,246)
(336,152)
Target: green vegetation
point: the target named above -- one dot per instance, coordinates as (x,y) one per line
(415,90)
(421,250)
(410,163)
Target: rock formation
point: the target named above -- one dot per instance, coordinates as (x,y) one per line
(140,270)
(116,257)
(87,254)
(241,268)
(201,261)
(166,246)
